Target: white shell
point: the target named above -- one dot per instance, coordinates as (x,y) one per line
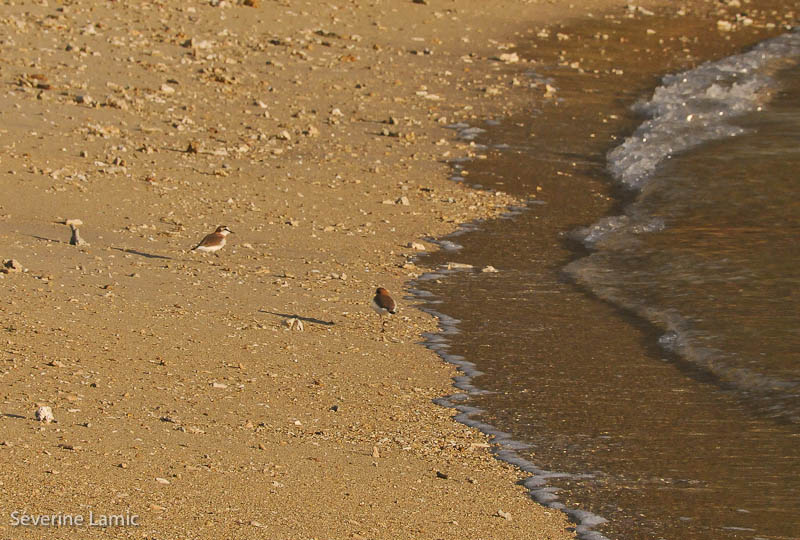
(294,324)
(44,414)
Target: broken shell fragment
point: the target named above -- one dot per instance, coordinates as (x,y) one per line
(44,414)
(294,324)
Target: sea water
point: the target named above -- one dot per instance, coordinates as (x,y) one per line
(651,385)
(709,249)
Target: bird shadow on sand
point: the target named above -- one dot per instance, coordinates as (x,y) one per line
(49,239)
(17,416)
(143,254)
(298,317)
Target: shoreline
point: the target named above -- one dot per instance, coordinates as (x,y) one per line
(178,394)
(491,174)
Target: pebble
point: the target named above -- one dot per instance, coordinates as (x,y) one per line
(489,269)
(416,246)
(509,58)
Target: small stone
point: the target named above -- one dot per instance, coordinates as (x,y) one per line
(440,474)
(489,269)
(509,58)
(724,26)
(403,201)
(219,385)
(162,480)
(416,246)
(375,453)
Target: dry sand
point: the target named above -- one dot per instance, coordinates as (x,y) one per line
(316,132)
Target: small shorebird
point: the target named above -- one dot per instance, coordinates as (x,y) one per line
(214,241)
(383,304)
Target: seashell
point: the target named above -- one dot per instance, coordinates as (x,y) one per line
(44,414)
(294,324)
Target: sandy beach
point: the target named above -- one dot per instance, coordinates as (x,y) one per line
(249,393)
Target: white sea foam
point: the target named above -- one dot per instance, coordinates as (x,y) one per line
(506,447)
(688,109)
(697,106)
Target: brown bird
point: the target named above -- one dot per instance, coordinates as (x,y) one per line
(383,304)
(214,241)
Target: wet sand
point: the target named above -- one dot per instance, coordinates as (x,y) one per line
(180,396)
(581,381)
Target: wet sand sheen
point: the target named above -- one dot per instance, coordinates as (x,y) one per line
(583,381)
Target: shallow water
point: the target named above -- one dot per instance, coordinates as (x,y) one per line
(664,382)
